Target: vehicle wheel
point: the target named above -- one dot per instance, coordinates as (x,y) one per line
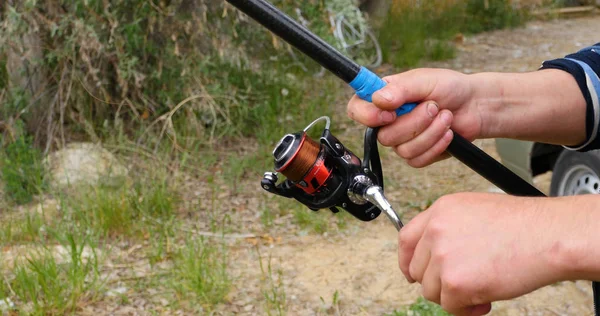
(576,173)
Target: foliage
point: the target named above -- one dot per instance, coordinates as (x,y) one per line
(55,285)
(420,31)
(195,71)
(491,15)
(421,307)
(273,289)
(114,212)
(201,270)
(22,171)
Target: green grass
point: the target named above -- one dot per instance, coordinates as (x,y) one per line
(22,230)
(200,270)
(310,220)
(421,307)
(107,212)
(273,289)
(125,211)
(55,285)
(412,34)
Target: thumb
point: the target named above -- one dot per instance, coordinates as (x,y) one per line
(403,88)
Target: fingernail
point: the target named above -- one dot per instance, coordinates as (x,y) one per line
(447,118)
(432,109)
(386,95)
(387,117)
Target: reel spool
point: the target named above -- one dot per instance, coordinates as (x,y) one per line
(326,174)
(302,160)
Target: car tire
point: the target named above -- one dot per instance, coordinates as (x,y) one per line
(576,173)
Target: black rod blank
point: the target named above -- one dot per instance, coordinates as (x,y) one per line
(300,37)
(490,168)
(346,69)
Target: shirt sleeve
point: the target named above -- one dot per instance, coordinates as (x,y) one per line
(584,66)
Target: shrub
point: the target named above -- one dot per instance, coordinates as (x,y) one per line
(108,68)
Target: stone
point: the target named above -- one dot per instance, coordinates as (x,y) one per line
(84,164)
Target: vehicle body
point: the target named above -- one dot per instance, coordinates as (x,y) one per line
(573,172)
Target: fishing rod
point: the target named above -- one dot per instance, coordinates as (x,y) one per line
(330,176)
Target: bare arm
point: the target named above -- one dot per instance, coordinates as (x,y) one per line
(545,106)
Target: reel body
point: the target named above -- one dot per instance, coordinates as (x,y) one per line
(326,174)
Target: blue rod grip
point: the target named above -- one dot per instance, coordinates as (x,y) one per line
(366,83)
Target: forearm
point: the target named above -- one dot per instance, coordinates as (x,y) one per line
(545,106)
(574,249)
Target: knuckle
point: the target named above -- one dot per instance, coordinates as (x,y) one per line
(439,255)
(435,229)
(452,284)
(445,201)
(403,239)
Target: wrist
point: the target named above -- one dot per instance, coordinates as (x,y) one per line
(490,100)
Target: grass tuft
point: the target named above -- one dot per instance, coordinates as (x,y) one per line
(421,307)
(49,283)
(273,289)
(200,268)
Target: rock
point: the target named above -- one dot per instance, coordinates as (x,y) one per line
(84,163)
(118,291)
(6,304)
(48,209)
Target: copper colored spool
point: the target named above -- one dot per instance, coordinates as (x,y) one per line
(306,156)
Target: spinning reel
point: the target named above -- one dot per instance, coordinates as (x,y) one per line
(326,174)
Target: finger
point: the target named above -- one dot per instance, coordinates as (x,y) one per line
(452,307)
(404,88)
(452,304)
(434,154)
(427,139)
(431,284)
(420,260)
(409,125)
(408,237)
(479,310)
(368,114)
(443,156)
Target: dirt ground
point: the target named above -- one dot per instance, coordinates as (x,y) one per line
(359,263)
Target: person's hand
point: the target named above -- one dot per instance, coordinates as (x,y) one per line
(470,249)
(423,135)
